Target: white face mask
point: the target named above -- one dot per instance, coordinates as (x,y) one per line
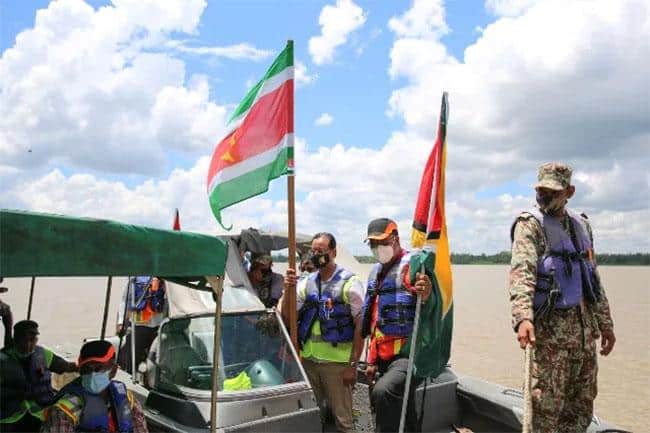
(383,253)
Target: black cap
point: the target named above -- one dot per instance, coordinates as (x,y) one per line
(25,327)
(98,350)
(380,228)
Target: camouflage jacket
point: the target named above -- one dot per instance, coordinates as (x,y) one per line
(528,244)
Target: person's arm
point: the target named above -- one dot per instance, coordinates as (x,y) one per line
(523,278)
(7,321)
(601,309)
(139,420)
(290,284)
(120,327)
(356,294)
(57,421)
(59,365)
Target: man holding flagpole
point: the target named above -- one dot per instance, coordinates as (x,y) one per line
(409,305)
(329,302)
(388,318)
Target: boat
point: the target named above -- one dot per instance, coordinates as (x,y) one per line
(253,376)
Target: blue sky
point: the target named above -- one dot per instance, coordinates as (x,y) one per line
(120,110)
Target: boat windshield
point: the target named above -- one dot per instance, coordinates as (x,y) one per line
(253,353)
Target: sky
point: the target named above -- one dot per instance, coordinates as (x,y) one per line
(113,109)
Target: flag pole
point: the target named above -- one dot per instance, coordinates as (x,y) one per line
(409,370)
(291,214)
(527,423)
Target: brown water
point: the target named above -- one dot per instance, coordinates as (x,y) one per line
(484,344)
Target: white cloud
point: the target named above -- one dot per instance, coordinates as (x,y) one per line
(336,22)
(302,76)
(508,8)
(425,18)
(242,51)
(83,87)
(324,119)
(523,95)
(579,95)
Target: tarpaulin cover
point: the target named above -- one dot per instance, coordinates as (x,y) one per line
(34,244)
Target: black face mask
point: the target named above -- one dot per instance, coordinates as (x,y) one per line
(543,200)
(320,260)
(550,204)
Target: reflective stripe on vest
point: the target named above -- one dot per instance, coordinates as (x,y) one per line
(315,346)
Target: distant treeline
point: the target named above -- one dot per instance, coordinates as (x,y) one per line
(502,258)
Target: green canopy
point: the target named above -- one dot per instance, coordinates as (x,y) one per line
(35,245)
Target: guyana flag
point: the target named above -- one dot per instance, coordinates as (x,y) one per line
(259,146)
(430,232)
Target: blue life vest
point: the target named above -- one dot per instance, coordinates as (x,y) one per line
(94,414)
(141,286)
(566,270)
(396,307)
(17,387)
(328,306)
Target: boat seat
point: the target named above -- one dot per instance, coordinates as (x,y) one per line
(203,343)
(177,354)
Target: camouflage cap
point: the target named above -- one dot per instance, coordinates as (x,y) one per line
(554,175)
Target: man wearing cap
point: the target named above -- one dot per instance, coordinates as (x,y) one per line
(95,402)
(268,284)
(558,304)
(7,317)
(329,303)
(388,318)
(26,386)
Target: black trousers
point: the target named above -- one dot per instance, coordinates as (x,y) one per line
(144,336)
(387,393)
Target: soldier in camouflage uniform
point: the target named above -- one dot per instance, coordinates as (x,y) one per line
(562,325)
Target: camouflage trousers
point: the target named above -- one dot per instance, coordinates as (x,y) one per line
(564,374)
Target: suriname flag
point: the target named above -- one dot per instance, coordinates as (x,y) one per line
(259,146)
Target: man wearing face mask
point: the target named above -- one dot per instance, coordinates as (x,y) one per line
(94,402)
(388,318)
(267,283)
(558,304)
(26,386)
(329,303)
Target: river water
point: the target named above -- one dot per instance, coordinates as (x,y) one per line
(484,345)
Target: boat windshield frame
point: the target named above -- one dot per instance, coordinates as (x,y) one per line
(232,395)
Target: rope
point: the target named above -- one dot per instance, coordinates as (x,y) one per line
(527,424)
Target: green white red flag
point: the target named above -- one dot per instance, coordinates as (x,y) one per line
(259,146)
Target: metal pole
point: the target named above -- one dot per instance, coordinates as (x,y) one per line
(217,288)
(409,371)
(106,302)
(124,315)
(527,423)
(31,299)
(132,330)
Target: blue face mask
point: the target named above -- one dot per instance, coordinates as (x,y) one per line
(95,382)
